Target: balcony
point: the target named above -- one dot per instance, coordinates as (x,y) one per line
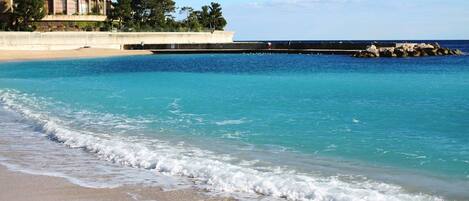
(74,18)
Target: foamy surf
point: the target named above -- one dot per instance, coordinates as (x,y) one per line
(206,169)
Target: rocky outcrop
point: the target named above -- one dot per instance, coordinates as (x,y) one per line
(407,50)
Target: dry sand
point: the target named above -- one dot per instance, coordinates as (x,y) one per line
(25,187)
(22,55)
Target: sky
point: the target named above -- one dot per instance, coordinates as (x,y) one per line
(343,19)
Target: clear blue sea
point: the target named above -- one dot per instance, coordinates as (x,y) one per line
(253,126)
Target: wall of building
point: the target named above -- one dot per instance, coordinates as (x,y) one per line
(75,40)
(72,7)
(60,7)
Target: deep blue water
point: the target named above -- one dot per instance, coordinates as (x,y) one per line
(304,127)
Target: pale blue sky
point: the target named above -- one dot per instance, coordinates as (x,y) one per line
(344,19)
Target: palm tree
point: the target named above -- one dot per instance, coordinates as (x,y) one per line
(216,19)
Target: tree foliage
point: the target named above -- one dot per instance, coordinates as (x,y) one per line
(158,15)
(216,19)
(122,13)
(4,16)
(25,13)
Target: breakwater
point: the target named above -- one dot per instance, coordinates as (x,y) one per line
(362,49)
(407,50)
(255,47)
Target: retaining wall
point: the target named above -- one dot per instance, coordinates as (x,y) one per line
(74,40)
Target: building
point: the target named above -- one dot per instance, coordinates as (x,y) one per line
(71,10)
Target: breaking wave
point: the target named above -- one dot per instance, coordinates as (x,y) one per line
(206,169)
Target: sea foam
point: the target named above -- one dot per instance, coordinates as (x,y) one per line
(206,169)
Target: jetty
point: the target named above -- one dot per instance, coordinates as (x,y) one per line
(407,50)
(359,49)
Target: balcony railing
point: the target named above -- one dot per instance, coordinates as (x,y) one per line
(75,18)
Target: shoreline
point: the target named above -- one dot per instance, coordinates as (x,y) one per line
(19,186)
(37,55)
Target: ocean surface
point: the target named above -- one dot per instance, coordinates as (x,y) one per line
(252,126)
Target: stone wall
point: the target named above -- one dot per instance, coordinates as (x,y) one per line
(74,40)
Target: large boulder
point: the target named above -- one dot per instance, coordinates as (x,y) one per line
(371,52)
(409,47)
(424,46)
(372,49)
(436,45)
(401,52)
(415,53)
(365,54)
(387,52)
(431,52)
(457,52)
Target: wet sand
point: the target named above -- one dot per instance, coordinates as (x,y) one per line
(25,187)
(26,55)
(20,186)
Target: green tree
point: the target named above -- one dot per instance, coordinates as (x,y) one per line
(4,16)
(204,17)
(217,21)
(186,10)
(157,15)
(211,17)
(153,13)
(191,22)
(25,12)
(122,13)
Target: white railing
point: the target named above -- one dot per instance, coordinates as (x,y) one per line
(76,18)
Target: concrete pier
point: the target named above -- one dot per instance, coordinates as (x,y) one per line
(332,47)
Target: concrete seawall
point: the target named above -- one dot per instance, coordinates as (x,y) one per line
(293,47)
(74,40)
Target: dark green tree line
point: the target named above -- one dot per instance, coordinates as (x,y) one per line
(158,15)
(24,13)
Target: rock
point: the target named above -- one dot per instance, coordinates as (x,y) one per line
(443,51)
(407,49)
(431,52)
(373,50)
(365,54)
(370,52)
(424,46)
(387,52)
(457,52)
(401,52)
(415,53)
(406,46)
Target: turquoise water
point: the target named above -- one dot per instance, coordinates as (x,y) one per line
(307,127)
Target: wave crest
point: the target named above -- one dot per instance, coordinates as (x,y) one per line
(203,167)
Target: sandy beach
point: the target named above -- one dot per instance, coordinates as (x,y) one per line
(25,55)
(25,187)
(20,186)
